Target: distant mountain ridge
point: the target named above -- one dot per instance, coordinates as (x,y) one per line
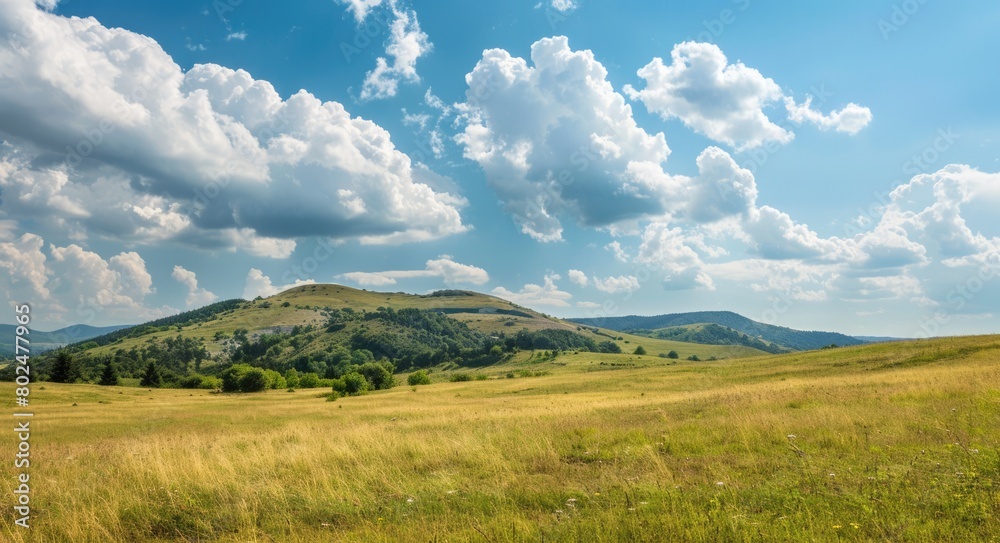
(46,341)
(798,340)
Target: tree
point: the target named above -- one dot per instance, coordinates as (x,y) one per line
(640,350)
(418,378)
(673,354)
(64,369)
(151,378)
(109,377)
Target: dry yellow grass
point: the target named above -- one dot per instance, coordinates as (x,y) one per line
(891,442)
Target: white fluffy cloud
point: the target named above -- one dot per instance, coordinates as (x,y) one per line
(720,100)
(578,277)
(569,148)
(71,285)
(532,295)
(406,44)
(105,135)
(451,272)
(258,284)
(727,102)
(196,296)
(617,285)
(850,120)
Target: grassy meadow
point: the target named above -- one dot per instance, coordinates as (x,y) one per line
(891,442)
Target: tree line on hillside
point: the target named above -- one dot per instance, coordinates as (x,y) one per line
(352,352)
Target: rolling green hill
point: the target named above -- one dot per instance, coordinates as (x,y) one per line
(329,330)
(713,334)
(778,335)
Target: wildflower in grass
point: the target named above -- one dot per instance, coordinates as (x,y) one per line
(720,483)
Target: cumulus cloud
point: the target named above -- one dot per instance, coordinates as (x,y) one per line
(196,296)
(711,96)
(617,285)
(669,249)
(451,272)
(71,285)
(578,277)
(406,44)
(532,295)
(258,284)
(88,110)
(851,119)
(619,252)
(237,36)
(727,102)
(568,150)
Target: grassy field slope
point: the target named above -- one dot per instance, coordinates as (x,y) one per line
(888,442)
(304,305)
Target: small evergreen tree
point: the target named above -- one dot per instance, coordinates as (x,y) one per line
(151,378)
(109,377)
(64,369)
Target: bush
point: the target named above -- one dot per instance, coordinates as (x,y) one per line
(482,377)
(355,383)
(200,381)
(309,380)
(339,386)
(694,358)
(254,380)
(640,350)
(460,377)
(673,355)
(418,378)
(608,347)
(191,381)
(378,377)
(275,380)
(292,378)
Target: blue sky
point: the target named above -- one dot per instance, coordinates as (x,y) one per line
(818,166)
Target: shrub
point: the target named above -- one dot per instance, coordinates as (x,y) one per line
(275,380)
(673,355)
(191,381)
(355,383)
(460,377)
(694,358)
(292,378)
(482,377)
(640,350)
(608,347)
(309,380)
(418,378)
(254,380)
(377,375)
(339,386)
